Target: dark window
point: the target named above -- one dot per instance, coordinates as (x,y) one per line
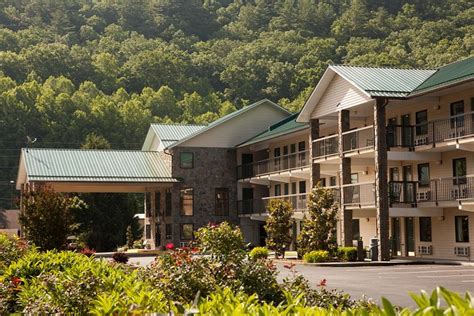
(286,188)
(457,108)
(424,174)
(301,146)
(293,188)
(285,150)
(157,204)
(187,231)
(292,148)
(168,202)
(355,229)
(222,202)
(462,228)
(322,182)
(148,204)
(187,201)
(186,160)
(425,228)
(277,189)
(421,119)
(302,186)
(276,152)
(148,231)
(459,171)
(168,231)
(332,181)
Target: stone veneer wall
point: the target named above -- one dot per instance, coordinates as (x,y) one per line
(213,168)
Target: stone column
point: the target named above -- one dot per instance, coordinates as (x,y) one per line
(381,187)
(316,168)
(345,174)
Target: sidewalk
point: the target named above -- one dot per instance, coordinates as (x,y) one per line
(393,262)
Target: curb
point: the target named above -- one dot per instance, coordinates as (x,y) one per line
(377,263)
(129,254)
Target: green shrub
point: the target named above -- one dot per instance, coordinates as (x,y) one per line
(221,241)
(259,253)
(316,256)
(12,248)
(347,253)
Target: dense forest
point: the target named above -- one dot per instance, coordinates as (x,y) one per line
(103,70)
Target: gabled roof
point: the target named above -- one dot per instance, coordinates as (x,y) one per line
(447,75)
(170,133)
(285,126)
(84,165)
(384,82)
(229,117)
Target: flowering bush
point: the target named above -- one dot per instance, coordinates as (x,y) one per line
(316,256)
(222,241)
(169,246)
(12,248)
(259,253)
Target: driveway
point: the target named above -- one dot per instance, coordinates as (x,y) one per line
(393,282)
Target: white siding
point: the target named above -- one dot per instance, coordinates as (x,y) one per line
(340,94)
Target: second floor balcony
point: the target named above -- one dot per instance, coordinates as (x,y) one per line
(278,164)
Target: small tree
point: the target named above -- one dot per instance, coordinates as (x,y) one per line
(319,228)
(129,236)
(278,226)
(46,217)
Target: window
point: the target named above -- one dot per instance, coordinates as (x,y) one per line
(277,189)
(286,188)
(462,228)
(157,203)
(292,148)
(285,150)
(459,171)
(302,186)
(168,202)
(424,175)
(421,119)
(293,188)
(168,232)
(187,201)
(186,160)
(322,182)
(332,181)
(187,231)
(425,228)
(355,229)
(147,231)
(457,108)
(354,178)
(276,152)
(222,202)
(301,146)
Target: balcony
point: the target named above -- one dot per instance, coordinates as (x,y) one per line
(359,195)
(358,139)
(326,147)
(435,133)
(274,165)
(298,201)
(251,206)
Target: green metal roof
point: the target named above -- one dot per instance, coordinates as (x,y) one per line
(171,133)
(384,82)
(83,165)
(283,127)
(447,75)
(227,118)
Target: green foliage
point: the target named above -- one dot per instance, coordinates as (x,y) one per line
(278,225)
(46,217)
(258,253)
(12,248)
(320,225)
(221,241)
(129,236)
(316,256)
(347,253)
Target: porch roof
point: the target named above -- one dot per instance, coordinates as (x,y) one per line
(81,165)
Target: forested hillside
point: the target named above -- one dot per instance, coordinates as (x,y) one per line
(74,67)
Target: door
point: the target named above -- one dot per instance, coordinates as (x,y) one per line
(247,201)
(406,131)
(395,186)
(247,169)
(276,159)
(457,109)
(262,234)
(409,237)
(408,194)
(392,132)
(396,236)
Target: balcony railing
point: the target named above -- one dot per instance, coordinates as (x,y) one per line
(432,132)
(358,139)
(250,206)
(361,194)
(298,201)
(326,146)
(276,164)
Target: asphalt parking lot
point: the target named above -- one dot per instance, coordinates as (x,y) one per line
(393,282)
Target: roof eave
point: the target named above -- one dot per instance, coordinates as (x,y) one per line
(439,87)
(247,143)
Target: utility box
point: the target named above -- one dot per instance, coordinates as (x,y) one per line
(360,250)
(374,249)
